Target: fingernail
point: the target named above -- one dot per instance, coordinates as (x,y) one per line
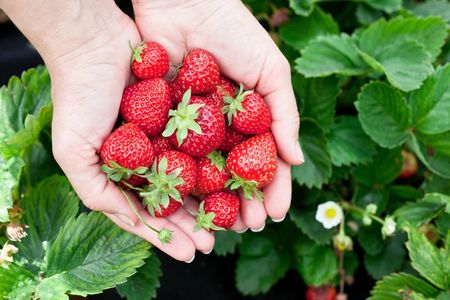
(208,252)
(191,260)
(279,220)
(258,229)
(300,155)
(242,230)
(124,219)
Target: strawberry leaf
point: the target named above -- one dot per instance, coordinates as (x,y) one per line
(436,161)
(10,172)
(226,242)
(433,8)
(16,283)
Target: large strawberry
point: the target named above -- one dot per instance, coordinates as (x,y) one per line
(161,144)
(225,88)
(196,128)
(176,92)
(127,152)
(231,139)
(172,177)
(173,206)
(253,164)
(147,104)
(199,72)
(218,211)
(212,174)
(248,112)
(150,60)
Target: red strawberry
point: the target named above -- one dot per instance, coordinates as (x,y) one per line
(218,211)
(409,167)
(173,206)
(161,144)
(172,177)
(231,139)
(225,88)
(248,112)
(150,60)
(324,292)
(176,92)
(126,152)
(253,164)
(199,72)
(212,174)
(147,104)
(196,128)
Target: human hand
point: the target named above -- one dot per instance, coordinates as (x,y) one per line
(247,54)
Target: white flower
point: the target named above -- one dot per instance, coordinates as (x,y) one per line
(15,232)
(389,226)
(6,254)
(329,214)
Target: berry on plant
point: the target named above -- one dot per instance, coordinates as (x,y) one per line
(324,292)
(409,167)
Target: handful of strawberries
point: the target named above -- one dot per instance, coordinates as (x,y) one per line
(200,134)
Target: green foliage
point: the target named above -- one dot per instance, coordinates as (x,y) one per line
(226,242)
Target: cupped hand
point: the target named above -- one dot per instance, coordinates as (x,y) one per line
(245,53)
(89,71)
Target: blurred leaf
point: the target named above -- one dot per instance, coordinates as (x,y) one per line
(388,6)
(436,161)
(443,296)
(436,184)
(440,142)
(351,262)
(305,219)
(433,8)
(418,213)
(367,15)
(226,242)
(348,143)
(438,198)
(16,283)
(370,239)
(302,7)
(317,167)
(443,224)
(39,164)
(405,192)
(258,6)
(364,196)
(10,171)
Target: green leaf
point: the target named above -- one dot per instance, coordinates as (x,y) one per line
(367,15)
(348,143)
(430,105)
(144,283)
(16,283)
(299,31)
(418,213)
(91,254)
(302,7)
(226,242)
(258,250)
(47,208)
(440,142)
(428,260)
(364,196)
(443,224)
(384,114)
(384,168)
(389,288)
(433,8)
(439,198)
(328,55)
(305,219)
(10,171)
(318,98)
(317,264)
(436,161)
(317,167)
(25,110)
(436,184)
(389,260)
(405,192)
(388,6)
(443,296)
(370,239)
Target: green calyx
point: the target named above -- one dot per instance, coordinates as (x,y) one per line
(233,105)
(183,119)
(249,187)
(165,236)
(217,160)
(117,173)
(137,51)
(162,187)
(205,220)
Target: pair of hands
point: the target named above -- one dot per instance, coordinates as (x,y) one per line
(90,70)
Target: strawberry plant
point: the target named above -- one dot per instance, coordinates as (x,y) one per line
(372,86)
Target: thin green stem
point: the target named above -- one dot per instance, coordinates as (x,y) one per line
(355,208)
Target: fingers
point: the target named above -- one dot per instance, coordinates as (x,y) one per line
(277,195)
(239,226)
(253,213)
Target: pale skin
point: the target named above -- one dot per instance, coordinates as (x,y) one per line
(85,47)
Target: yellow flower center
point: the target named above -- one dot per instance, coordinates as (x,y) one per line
(330,213)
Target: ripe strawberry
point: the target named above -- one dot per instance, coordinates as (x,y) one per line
(150,60)
(218,211)
(199,72)
(173,206)
(176,92)
(147,104)
(126,152)
(225,88)
(231,139)
(173,176)
(253,164)
(324,292)
(161,144)
(247,112)
(196,128)
(212,174)
(409,167)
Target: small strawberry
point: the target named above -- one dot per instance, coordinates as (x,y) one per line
(212,174)
(324,292)
(147,104)
(218,211)
(409,167)
(127,152)
(173,206)
(253,164)
(199,72)
(231,139)
(176,92)
(150,60)
(247,112)
(225,88)
(172,177)
(196,128)
(161,144)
